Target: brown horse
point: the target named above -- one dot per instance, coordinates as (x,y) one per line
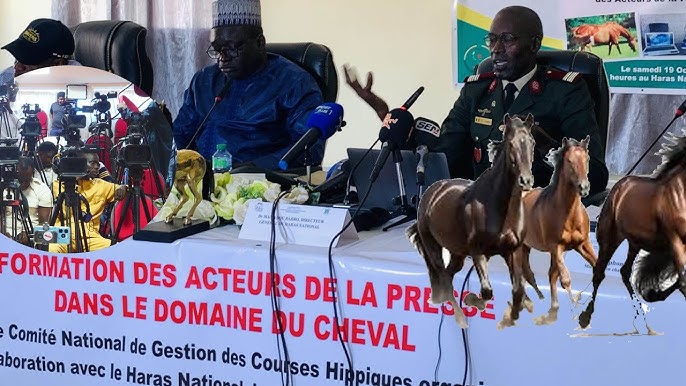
(556,220)
(479,219)
(190,169)
(606,33)
(649,212)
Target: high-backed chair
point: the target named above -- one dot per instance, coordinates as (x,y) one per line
(117,47)
(590,66)
(316,59)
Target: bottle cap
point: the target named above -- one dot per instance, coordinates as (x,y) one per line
(221,146)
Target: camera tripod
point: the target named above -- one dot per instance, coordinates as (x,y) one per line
(68,209)
(5,126)
(14,204)
(133,201)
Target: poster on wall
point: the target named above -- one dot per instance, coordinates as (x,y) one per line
(642,43)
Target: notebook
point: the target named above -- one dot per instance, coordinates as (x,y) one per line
(659,43)
(386,186)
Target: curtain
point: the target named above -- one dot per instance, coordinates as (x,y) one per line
(178,35)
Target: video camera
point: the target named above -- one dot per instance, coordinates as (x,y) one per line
(31,127)
(70,164)
(134,149)
(9,159)
(100,103)
(8,93)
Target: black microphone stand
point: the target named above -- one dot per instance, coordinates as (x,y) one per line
(645,153)
(406,210)
(308,165)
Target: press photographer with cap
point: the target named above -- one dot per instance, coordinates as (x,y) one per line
(44,43)
(268,101)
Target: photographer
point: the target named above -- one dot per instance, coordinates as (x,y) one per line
(46,152)
(98,193)
(37,195)
(9,124)
(57,114)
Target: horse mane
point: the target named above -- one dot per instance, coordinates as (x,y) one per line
(495,149)
(555,158)
(673,154)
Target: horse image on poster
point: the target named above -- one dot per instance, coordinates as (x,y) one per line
(608,33)
(556,221)
(650,213)
(478,219)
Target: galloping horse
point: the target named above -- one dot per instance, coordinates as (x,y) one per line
(606,33)
(556,220)
(190,169)
(649,212)
(480,219)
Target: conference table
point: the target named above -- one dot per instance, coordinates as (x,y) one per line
(203,311)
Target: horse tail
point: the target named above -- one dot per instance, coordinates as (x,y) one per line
(411,233)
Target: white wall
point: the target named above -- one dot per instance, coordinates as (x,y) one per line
(15,15)
(406,43)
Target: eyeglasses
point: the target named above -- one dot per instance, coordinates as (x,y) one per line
(507,39)
(232,52)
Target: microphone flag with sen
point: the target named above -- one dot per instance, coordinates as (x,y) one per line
(324,121)
(426,134)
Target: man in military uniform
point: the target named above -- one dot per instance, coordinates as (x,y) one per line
(559,101)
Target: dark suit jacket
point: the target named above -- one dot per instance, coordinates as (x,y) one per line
(560,103)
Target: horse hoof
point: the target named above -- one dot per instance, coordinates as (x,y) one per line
(169,219)
(474,301)
(529,305)
(584,319)
(187,221)
(487,294)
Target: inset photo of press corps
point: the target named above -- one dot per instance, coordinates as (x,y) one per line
(75,141)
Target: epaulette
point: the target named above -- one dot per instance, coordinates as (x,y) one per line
(476,77)
(563,75)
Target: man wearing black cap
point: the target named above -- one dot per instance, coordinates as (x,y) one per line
(44,43)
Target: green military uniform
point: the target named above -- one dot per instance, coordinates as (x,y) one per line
(560,103)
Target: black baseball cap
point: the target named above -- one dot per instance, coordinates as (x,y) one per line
(41,40)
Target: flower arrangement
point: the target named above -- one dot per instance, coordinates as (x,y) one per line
(230,198)
(232,194)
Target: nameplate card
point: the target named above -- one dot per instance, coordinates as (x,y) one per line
(298,224)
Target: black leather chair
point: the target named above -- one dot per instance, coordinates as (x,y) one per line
(316,59)
(591,68)
(117,47)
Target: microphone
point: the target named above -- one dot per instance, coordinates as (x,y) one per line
(217,99)
(395,133)
(413,98)
(426,134)
(679,112)
(324,121)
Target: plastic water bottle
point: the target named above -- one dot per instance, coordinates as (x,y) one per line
(221,159)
